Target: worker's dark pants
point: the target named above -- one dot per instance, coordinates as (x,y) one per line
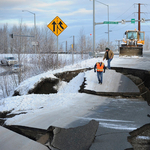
(100,76)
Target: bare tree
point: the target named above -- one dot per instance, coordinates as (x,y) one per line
(89,44)
(4,39)
(102,44)
(47,40)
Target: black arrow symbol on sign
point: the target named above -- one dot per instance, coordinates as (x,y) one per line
(54,23)
(60,23)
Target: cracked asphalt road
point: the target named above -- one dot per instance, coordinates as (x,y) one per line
(117,117)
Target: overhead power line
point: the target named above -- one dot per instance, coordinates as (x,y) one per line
(124,12)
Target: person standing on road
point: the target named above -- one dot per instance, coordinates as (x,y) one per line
(100,66)
(108,56)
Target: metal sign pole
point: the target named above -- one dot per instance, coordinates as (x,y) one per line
(57,51)
(54,25)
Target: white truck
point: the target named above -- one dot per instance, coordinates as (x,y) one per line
(8,61)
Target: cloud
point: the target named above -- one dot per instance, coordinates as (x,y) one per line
(13,3)
(79,13)
(54,5)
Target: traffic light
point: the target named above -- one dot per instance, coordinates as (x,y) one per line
(11,35)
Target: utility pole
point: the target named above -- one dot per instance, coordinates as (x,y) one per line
(139,15)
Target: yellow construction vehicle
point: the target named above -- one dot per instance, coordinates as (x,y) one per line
(133,43)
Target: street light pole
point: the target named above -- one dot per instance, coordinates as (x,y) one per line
(108,23)
(34,28)
(93,26)
(95,23)
(108,17)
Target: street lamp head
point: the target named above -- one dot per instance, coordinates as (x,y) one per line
(28,11)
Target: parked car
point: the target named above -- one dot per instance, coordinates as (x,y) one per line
(9,61)
(17,68)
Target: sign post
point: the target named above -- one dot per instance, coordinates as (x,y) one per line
(57,26)
(110,22)
(132,20)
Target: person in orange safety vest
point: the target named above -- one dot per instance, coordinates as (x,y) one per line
(100,67)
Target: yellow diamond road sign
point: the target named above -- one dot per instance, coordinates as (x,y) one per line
(57,26)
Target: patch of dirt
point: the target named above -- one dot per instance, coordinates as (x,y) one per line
(69,75)
(45,87)
(6,114)
(2,117)
(139,138)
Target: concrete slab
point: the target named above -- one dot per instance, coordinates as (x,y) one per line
(76,138)
(81,104)
(79,138)
(12,141)
(112,82)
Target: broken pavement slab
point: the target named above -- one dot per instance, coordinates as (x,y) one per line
(79,138)
(114,84)
(10,140)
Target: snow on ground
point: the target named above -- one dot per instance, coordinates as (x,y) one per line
(34,103)
(73,86)
(127,62)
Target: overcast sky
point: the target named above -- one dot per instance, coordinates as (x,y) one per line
(77,14)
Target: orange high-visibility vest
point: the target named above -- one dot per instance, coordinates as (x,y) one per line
(100,68)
